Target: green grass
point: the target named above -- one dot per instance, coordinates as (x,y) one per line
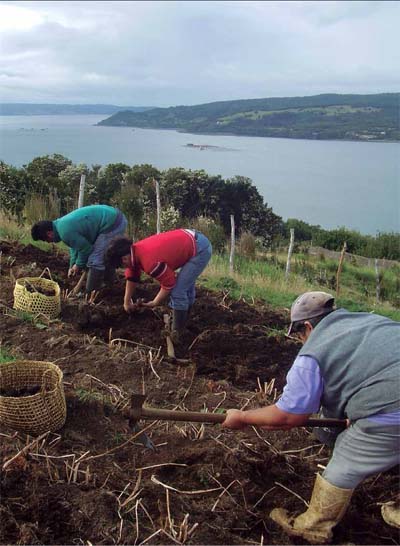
(264,280)
(326,110)
(10,230)
(5,356)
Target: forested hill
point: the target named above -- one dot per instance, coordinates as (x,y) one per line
(30,109)
(329,116)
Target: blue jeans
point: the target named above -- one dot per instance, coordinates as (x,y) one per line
(96,258)
(184,292)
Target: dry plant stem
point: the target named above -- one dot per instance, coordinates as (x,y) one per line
(248,400)
(222,444)
(159,466)
(273,449)
(128,441)
(222,304)
(293,493)
(10,436)
(25,450)
(121,340)
(221,494)
(150,360)
(200,336)
(223,393)
(65,357)
(78,285)
(187,390)
(171,525)
(299,450)
(263,496)
(137,521)
(198,492)
(157,533)
(93,296)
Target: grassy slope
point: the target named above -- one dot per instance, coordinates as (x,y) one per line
(264,279)
(320,116)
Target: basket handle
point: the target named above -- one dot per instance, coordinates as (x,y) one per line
(46,269)
(46,386)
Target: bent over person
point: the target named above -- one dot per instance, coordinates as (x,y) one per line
(160,256)
(87,231)
(348,368)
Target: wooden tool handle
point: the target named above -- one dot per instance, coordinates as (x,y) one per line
(203,417)
(193,416)
(325,422)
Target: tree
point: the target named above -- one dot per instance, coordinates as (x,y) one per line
(130,201)
(304,231)
(242,199)
(44,172)
(110,180)
(139,174)
(69,181)
(14,185)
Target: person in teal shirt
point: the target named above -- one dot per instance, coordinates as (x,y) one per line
(87,231)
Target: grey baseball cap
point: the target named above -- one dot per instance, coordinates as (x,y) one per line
(310,305)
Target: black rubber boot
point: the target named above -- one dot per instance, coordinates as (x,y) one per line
(179,319)
(110,276)
(94,279)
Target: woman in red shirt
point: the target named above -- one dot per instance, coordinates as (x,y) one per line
(160,256)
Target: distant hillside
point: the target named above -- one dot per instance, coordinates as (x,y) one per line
(330,116)
(27,109)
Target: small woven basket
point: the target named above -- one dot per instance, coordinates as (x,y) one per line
(41,412)
(27,296)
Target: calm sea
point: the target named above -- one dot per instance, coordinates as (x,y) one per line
(330,183)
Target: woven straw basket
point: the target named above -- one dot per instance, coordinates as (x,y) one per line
(40,412)
(33,301)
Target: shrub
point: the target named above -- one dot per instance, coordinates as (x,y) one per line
(41,207)
(247,245)
(212,230)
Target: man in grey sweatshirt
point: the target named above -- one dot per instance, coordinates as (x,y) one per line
(348,368)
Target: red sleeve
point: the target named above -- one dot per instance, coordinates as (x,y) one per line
(164,275)
(132,274)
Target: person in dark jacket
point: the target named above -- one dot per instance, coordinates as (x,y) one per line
(348,368)
(160,256)
(87,231)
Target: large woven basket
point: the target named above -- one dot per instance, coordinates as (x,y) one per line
(28,296)
(37,413)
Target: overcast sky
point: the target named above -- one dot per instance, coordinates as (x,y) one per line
(169,53)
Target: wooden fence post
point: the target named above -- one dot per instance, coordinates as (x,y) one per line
(290,250)
(81,191)
(158,202)
(232,253)
(340,266)
(378,282)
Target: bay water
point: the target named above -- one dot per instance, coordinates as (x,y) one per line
(329,183)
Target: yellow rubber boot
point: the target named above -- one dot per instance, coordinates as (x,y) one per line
(327,506)
(391,513)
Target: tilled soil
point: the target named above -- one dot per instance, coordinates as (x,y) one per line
(93,482)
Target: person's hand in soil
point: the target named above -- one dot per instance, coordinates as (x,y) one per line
(130,307)
(150,304)
(74,270)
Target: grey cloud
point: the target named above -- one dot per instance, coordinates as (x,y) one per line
(167,53)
